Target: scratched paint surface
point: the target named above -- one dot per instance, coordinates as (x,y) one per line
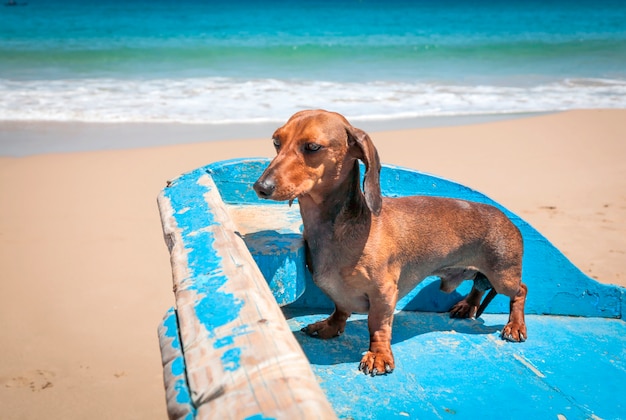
(449,368)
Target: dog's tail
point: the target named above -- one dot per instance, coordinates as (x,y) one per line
(492,293)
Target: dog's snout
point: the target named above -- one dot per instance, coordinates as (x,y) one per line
(264,188)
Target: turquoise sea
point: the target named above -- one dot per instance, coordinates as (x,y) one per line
(196,61)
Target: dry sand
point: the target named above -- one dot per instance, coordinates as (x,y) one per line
(85,273)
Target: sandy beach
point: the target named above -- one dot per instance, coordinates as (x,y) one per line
(86,276)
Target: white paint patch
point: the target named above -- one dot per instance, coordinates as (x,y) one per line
(496,340)
(529,365)
(448,342)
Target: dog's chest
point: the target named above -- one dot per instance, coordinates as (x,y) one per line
(331,273)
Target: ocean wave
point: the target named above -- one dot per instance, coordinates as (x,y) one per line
(229,100)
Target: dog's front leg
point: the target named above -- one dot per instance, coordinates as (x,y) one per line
(333,326)
(379,358)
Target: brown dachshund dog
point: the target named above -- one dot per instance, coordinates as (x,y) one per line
(366,251)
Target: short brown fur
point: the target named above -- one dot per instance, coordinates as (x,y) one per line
(366,251)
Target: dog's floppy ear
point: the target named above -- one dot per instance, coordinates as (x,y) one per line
(369,155)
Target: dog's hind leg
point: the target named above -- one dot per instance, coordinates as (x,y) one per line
(486,301)
(515,330)
(470,306)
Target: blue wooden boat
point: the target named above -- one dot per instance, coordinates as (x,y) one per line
(232,346)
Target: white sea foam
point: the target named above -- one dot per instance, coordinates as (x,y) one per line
(227,100)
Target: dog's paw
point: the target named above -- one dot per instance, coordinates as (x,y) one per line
(515,332)
(377,363)
(463,310)
(323,329)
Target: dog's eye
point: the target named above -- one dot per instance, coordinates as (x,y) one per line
(312,147)
(276,143)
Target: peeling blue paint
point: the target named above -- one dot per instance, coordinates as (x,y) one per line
(170,322)
(214,307)
(259,417)
(182,392)
(284,275)
(230,359)
(178,366)
(229,340)
(170,337)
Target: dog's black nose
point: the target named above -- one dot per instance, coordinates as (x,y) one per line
(264,188)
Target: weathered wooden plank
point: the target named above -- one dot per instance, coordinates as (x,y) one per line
(241,358)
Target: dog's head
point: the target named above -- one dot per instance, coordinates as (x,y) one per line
(316,151)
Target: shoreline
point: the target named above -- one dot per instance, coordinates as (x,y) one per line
(28,138)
